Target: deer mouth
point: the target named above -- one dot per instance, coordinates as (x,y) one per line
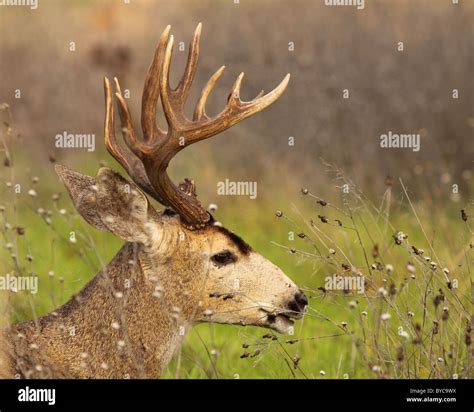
(280,322)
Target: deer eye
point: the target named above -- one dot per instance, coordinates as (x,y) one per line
(223,258)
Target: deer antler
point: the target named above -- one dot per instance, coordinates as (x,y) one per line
(148,158)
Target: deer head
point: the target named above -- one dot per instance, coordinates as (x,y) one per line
(200,271)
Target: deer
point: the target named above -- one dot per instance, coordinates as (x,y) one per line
(178,267)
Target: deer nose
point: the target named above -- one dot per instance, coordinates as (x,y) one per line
(301,299)
(299,303)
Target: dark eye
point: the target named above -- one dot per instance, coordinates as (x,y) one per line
(223,258)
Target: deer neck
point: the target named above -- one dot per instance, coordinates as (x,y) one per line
(127,322)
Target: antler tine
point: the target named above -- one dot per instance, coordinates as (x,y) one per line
(193,56)
(128,160)
(151,92)
(235,111)
(165,90)
(137,147)
(200,111)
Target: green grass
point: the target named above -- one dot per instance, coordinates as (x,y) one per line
(366,347)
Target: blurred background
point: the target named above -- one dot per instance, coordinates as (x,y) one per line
(335,48)
(52,64)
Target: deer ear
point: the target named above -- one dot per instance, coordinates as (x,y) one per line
(82,190)
(122,207)
(109,202)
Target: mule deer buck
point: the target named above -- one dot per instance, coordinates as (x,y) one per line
(177,267)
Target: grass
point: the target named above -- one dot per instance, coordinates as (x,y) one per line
(412,321)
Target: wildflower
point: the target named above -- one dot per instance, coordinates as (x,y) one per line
(344,324)
(322,373)
(411,267)
(399,237)
(323,218)
(296,361)
(417,251)
(212,207)
(332,251)
(382,291)
(352,304)
(411,314)
(32,193)
(445,315)
(385,316)
(400,354)
(278,213)
(433,265)
(404,334)
(363,313)
(446,271)
(376,368)
(304,191)
(389,268)
(322,202)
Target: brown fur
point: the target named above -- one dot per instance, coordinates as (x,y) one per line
(130,318)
